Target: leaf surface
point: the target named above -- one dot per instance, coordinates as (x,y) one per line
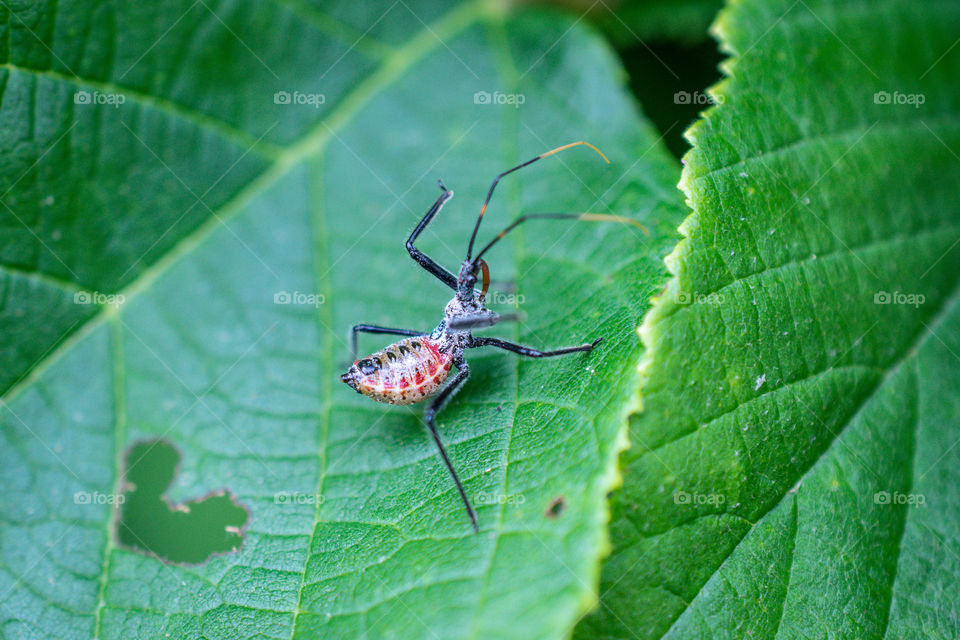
(801,379)
(198,200)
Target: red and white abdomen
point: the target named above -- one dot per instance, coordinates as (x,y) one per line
(403,373)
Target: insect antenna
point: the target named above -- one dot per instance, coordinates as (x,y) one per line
(483,208)
(592,217)
(485,270)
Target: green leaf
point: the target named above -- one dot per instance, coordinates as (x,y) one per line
(800,396)
(180,199)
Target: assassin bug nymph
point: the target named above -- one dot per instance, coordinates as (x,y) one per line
(414,368)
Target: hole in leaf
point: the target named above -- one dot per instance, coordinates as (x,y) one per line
(185,533)
(556,507)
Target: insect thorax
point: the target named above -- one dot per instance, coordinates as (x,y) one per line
(457,308)
(454,341)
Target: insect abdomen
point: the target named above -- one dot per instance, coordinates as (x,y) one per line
(403,373)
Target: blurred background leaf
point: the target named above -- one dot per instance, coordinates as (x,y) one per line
(172,173)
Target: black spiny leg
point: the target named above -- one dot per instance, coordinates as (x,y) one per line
(528,351)
(439,400)
(370,328)
(422,259)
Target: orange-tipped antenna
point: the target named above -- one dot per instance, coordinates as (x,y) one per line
(592,217)
(606,217)
(483,208)
(573,144)
(486,278)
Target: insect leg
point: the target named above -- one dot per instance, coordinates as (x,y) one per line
(370,328)
(480,320)
(529,351)
(420,257)
(439,400)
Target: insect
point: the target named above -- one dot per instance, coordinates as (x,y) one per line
(418,366)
